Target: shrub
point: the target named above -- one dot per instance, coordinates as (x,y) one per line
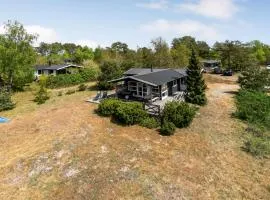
(109,70)
(108,107)
(5,101)
(42,95)
(150,122)
(69,92)
(167,128)
(258,146)
(253,107)
(65,80)
(179,113)
(130,113)
(89,74)
(82,87)
(254,79)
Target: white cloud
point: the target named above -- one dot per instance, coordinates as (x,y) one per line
(47,35)
(88,43)
(154,4)
(221,9)
(186,27)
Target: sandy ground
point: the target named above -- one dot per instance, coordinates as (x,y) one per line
(63,150)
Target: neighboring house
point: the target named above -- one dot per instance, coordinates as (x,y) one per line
(150,84)
(55,69)
(210,65)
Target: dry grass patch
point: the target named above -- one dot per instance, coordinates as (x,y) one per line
(71,153)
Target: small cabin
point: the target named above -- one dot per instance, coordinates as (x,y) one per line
(150,84)
(56,69)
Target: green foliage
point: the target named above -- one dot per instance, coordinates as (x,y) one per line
(108,107)
(109,70)
(253,107)
(150,122)
(42,95)
(254,79)
(195,82)
(179,113)
(71,91)
(65,80)
(5,100)
(57,53)
(180,54)
(82,87)
(162,56)
(235,55)
(257,142)
(17,56)
(130,113)
(167,128)
(127,113)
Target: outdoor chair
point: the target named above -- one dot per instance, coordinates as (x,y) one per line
(105,95)
(97,97)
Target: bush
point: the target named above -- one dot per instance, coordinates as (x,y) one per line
(130,113)
(5,101)
(109,70)
(150,122)
(108,107)
(89,74)
(69,92)
(82,87)
(42,95)
(253,107)
(258,146)
(167,128)
(65,80)
(179,113)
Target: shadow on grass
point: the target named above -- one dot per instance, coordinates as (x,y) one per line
(93,88)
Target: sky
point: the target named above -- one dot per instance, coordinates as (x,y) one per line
(137,22)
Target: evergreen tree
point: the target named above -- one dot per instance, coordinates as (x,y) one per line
(195,82)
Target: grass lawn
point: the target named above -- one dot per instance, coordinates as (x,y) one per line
(63,150)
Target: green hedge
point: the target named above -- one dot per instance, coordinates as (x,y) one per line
(167,128)
(150,122)
(127,113)
(254,107)
(179,113)
(65,80)
(5,101)
(130,113)
(108,107)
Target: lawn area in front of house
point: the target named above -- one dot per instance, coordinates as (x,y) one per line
(63,150)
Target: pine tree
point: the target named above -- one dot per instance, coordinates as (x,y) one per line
(195,82)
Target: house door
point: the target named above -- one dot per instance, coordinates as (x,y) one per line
(170,88)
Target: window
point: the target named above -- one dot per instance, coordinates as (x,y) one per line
(50,71)
(174,83)
(39,71)
(132,86)
(183,80)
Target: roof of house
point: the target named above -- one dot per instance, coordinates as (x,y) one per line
(140,71)
(55,67)
(156,78)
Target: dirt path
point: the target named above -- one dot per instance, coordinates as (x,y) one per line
(68,152)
